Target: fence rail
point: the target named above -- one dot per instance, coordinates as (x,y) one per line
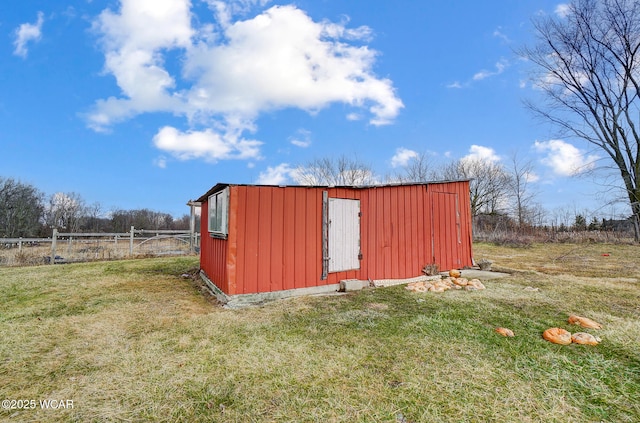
(64,247)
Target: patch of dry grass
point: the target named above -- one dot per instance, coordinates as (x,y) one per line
(585,259)
(136,341)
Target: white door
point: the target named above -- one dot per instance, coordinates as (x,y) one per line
(344,234)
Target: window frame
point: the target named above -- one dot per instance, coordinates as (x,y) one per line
(218,214)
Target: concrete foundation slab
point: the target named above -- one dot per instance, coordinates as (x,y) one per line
(246,300)
(348,285)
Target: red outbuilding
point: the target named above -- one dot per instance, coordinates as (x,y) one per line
(259,239)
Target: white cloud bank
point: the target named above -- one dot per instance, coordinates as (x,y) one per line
(563,158)
(229,72)
(25,33)
(481,154)
(403,156)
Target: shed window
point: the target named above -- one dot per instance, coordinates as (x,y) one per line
(219,213)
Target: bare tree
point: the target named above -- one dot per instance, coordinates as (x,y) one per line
(522,193)
(65,211)
(335,171)
(21,209)
(489,183)
(418,169)
(588,67)
(536,214)
(562,217)
(92,217)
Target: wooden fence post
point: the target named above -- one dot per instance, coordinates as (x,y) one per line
(193,236)
(54,237)
(131,242)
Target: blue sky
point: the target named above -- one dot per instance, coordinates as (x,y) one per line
(149,103)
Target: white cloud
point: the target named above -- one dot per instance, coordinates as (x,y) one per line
(25,33)
(278,175)
(134,40)
(562,10)
(480,153)
(226,9)
(161,162)
(231,71)
(302,138)
(301,143)
(206,144)
(500,66)
(402,157)
(563,158)
(282,59)
(499,34)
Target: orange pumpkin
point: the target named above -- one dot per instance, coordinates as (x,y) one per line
(557,336)
(584,339)
(454,273)
(505,332)
(584,322)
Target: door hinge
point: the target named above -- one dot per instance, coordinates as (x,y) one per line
(360,256)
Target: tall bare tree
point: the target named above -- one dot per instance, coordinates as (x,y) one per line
(335,171)
(65,211)
(522,193)
(489,183)
(588,67)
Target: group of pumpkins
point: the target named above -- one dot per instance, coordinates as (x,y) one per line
(453,281)
(563,336)
(555,335)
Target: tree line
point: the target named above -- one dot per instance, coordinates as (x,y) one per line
(502,194)
(25,211)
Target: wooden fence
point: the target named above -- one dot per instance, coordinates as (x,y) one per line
(72,247)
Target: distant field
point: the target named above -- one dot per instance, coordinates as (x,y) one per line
(136,340)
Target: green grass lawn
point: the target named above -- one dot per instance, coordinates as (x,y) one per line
(135,341)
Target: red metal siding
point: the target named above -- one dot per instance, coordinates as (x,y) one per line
(276,281)
(213,254)
(393,232)
(275,235)
(288,241)
(279,238)
(445,230)
(451,223)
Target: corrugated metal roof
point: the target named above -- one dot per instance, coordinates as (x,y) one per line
(222,185)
